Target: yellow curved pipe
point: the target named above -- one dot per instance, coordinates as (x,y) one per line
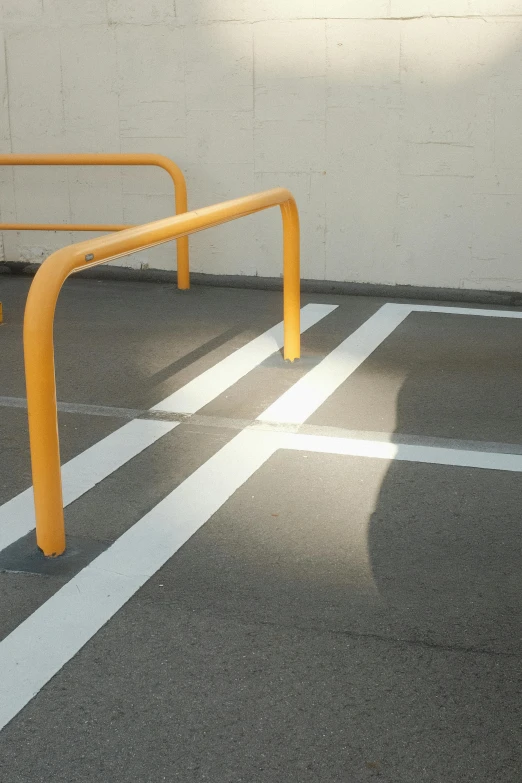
(39,317)
(108,159)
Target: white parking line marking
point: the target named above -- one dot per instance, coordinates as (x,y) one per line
(214,381)
(463,311)
(433,455)
(304,397)
(83,472)
(38,648)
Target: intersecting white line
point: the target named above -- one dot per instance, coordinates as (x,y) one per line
(433,455)
(416,308)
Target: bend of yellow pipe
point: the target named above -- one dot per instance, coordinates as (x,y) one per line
(108,159)
(39,317)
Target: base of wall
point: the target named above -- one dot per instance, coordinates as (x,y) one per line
(507,298)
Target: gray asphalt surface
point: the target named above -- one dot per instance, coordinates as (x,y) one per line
(338,619)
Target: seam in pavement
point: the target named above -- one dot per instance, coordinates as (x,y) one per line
(224,422)
(76,407)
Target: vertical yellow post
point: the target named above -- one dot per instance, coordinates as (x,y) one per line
(41,404)
(183,263)
(291,280)
(181,205)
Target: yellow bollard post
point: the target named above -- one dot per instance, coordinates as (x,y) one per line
(180,206)
(291,280)
(41,408)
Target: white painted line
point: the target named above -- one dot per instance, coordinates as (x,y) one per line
(96,463)
(38,648)
(214,381)
(463,311)
(304,397)
(83,472)
(434,455)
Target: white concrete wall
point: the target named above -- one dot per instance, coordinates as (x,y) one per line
(397,124)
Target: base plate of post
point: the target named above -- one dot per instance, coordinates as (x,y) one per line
(23,556)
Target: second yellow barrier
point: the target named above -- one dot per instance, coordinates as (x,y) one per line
(107,159)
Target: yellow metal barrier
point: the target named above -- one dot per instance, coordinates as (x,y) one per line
(38,329)
(113,159)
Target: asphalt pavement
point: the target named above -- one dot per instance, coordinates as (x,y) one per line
(337,617)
